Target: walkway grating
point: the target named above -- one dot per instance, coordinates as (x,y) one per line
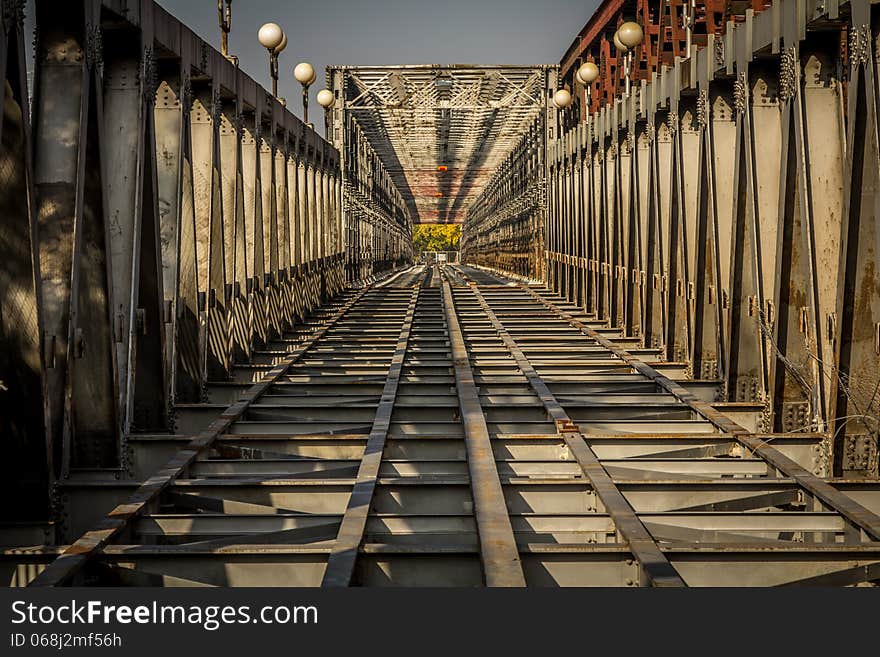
(452,427)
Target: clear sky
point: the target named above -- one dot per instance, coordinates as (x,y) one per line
(351,32)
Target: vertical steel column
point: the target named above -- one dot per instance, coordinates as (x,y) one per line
(208,195)
(269,201)
(285,287)
(73,239)
(241,329)
(856,325)
(305,224)
(296,227)
(716,153)
(252,139)
(676,277)
(178,233)
(632,263)
(755,211)
(27,467)
(654,237)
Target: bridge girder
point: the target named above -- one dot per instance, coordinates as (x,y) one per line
(168,216)
(725,211)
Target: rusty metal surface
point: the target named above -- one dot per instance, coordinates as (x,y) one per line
(74,558)
(658,571)
(440,131)
(665,25)
(501,561)
(663,368)
(341,562)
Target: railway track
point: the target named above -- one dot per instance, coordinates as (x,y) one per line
(450,427)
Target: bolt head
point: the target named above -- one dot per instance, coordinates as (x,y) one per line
(630,34)
(588,73)
(326,99)
(270,35)
(304,73)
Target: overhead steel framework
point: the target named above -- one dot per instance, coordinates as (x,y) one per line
(440,131)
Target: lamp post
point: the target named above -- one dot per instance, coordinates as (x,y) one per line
(273,39)
(305,75)
(562,100)
(587,74)
(687,22)
(327,100)
(627,37)
(224,15)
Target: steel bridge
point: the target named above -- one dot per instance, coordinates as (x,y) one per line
(656,361)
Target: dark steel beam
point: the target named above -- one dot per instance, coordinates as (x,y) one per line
(341,562)
(501,562)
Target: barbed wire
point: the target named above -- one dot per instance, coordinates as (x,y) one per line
(870,420)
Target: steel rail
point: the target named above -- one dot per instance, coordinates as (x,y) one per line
(498,551)
(343,555)
(76,555)
(656,567)
(854,512)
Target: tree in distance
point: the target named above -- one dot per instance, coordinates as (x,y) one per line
(436,237)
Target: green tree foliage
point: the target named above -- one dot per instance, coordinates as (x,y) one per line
(436,237)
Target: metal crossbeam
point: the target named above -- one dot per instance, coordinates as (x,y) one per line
(74,558)
(854,512)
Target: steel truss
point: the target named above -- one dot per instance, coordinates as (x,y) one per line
(725,213)
(165,218)
(659,366)
(439,131)
(379,227)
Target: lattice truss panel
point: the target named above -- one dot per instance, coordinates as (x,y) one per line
(420,119)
